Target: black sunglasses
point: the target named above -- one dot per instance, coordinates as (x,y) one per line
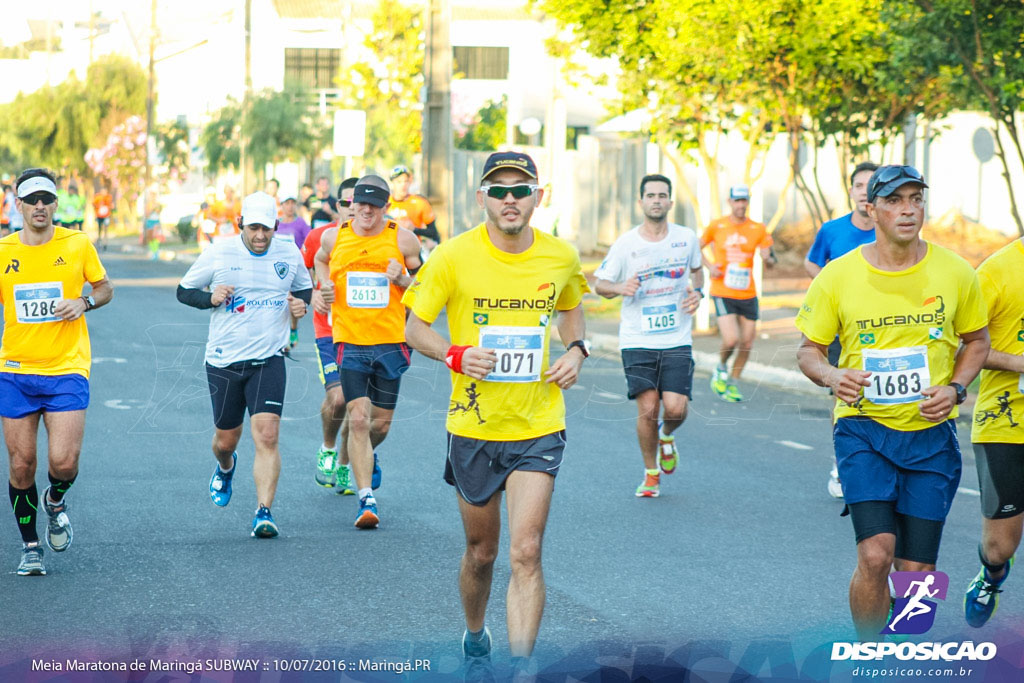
(344,203)
(36,197)
(520,191)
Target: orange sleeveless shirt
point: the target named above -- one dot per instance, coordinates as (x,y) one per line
(367,307)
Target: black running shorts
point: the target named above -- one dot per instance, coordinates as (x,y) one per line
(256,385)
(659,369)
(1001,478)
(478,469)
(747,308)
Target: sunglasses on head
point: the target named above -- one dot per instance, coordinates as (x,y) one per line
(890,173)
(520,191)
(36,197)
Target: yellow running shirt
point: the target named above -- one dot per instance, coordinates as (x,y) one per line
(999,412)
(506,302)
(903,326)
(33,279)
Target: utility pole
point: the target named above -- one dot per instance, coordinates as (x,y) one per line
(437,130)
(92,30)
(243,156)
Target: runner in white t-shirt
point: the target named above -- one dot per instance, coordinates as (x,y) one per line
(656,268)
(256,283)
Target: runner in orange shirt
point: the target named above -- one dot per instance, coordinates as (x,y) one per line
(103,206)
(412,211)
(734,240)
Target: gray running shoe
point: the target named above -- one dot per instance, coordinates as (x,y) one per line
(58,530)
(31,560)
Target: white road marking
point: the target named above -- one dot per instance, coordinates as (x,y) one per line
(797,446)
(970,492)
(123,403)
(607,394)
(109,360)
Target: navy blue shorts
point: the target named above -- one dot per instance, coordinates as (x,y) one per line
(919,471)
(747,308)
(22,395)
(373,371)
(327,361)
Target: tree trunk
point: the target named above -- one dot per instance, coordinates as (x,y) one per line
(684,185)
(1001,153)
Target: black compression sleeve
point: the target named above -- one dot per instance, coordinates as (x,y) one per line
(304,294)
(430,231)
(196,298)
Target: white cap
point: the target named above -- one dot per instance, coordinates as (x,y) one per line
(36,184)
(259,207)
(739,192)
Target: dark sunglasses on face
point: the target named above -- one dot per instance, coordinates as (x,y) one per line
(36,197)
(520,191)
(344,203)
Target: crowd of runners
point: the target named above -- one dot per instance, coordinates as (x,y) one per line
(895,327)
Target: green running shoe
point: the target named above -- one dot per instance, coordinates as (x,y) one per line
(325,459)
(343,481)
(732,392)
(718,383)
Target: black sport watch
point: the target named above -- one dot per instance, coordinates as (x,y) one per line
(583,344)
(961,392)
(90,303)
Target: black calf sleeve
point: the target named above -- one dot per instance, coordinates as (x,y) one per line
(25,503)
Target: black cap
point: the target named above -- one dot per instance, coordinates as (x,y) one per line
(516,160)
(887,179)
(371,189)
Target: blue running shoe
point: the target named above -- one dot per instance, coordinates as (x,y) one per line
(263,525)
(220,483)
(375,480)
(982,597)
(476,648)
(367,518)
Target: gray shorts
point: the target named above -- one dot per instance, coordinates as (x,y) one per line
(478,469)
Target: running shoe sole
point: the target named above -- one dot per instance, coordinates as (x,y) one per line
(648,494)
(367,520)
(265,528)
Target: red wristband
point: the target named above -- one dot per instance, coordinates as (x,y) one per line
(453,358)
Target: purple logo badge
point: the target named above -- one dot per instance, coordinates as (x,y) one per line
(913,612)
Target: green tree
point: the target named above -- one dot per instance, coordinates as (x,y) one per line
(172,145)
(387,87)
(487,131)
(219,138)
(984,52)
(56,125)
(279,126)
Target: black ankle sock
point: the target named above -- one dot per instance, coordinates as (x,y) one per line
(58,487)
(993,569)
(25,503)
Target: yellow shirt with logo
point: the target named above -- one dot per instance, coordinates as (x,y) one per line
(485,289)
(32,281)
(929,304)
(999,412)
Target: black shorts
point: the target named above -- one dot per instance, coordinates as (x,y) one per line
(256,385)
(478,468)
(373,371)
(659,369)
(1000,478)
(748,308)
(917,539)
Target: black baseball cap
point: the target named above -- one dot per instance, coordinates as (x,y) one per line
(371,189)
(887,179)
(502,160)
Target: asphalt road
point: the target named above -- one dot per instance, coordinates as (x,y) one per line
(743,559)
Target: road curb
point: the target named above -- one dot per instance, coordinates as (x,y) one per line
(753,373)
